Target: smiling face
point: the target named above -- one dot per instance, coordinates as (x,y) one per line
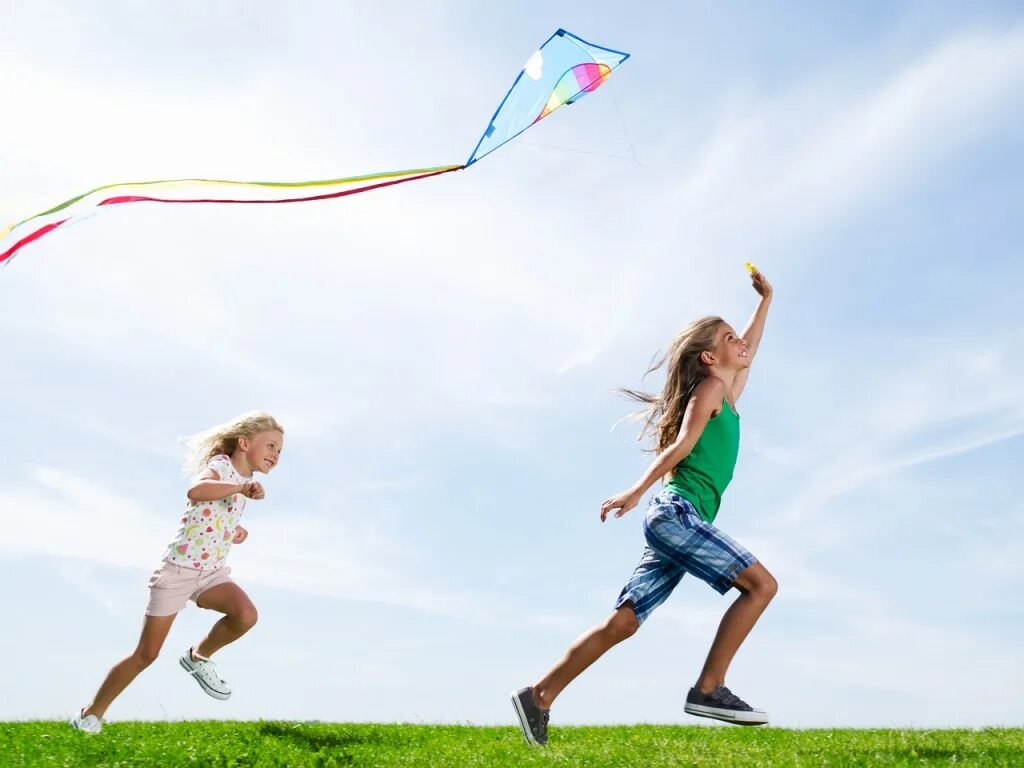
(730,350)
(263,450)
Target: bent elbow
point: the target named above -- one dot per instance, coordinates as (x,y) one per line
(677,453)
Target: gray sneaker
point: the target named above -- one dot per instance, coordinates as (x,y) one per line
(532,719)
(723,704)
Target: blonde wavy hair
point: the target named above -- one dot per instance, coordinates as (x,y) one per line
(223,438)
(663,415)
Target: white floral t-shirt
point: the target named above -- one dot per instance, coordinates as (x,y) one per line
(204,538)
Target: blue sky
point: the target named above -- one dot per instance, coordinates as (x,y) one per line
(444,355)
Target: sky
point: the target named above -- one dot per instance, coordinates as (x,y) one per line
(445,355)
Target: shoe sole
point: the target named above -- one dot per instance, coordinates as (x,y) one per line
(524,722)
(202,683)
(738,717)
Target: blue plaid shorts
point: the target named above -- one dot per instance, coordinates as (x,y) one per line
(679,542)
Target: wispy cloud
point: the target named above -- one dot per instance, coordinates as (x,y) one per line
(912,414)
(78,521)
(777,169)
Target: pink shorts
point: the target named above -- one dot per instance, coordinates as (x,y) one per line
(172,586)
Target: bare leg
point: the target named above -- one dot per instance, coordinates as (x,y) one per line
(758,587)
(154,632)
(239,617)
(585,651)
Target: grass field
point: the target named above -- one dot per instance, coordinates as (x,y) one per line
(214,744)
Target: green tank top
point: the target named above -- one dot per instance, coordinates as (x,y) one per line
(703,475)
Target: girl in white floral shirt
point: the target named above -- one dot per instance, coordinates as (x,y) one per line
(223,462)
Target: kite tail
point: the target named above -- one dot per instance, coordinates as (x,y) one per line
(77,206)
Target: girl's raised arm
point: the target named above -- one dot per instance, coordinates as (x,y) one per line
(755,327)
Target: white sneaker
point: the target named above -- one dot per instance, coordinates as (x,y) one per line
(205,673)
(87,724)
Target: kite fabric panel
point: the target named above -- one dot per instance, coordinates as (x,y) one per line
(563,70)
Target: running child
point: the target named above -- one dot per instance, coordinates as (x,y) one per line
(697,428)
(194,565)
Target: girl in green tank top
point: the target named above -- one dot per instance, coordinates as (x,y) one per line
(696,428)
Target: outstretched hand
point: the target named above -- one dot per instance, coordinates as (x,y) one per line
(621,503)
(240,535)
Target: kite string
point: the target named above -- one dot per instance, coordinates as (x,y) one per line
(573,149)
(625,130)
(622,122)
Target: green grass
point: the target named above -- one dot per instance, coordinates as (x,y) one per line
(219,743)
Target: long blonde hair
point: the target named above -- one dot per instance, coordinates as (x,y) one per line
(684,371)
(223,438)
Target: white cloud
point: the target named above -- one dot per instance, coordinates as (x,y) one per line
(926,407)
(65,516)
(781,168)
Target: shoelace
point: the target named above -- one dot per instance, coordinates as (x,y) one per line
(205,669)
(727,697)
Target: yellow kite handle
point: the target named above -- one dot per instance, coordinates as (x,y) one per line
(751,268)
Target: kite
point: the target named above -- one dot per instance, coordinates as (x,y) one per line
(563,70)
